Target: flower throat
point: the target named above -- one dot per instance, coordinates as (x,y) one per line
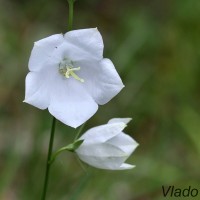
(67,69)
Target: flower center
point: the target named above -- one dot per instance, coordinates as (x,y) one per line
(67,69)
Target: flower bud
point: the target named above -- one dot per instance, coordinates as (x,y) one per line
(106,146)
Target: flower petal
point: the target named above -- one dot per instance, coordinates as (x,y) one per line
(125,166)
(124,142)
(101,79)
(39,85)
(89,41)
(70,103)
(42,51)
(116,120)
(103,156)
(36,94)
(102,133)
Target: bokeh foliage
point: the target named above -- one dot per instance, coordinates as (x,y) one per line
(155,46)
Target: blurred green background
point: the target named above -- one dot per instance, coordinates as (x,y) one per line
(155,46)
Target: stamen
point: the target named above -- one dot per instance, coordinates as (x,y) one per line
(70,71)
(67,70)
(75,75)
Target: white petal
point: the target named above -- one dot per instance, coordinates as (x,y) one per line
(71,52)
(87,41)
(124,142)
(35,94)
(100,134)
(99,150)
(116,120)
(39,86)
(101,156)
(125,166)
(42,51)
(70,103)
(101,79)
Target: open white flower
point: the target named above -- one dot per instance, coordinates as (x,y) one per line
(106,146)
(69,76)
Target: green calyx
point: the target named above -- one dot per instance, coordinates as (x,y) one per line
(71,147)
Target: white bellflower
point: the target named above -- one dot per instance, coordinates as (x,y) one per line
(69,76)
(106,146)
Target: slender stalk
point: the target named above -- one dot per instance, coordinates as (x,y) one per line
(53,157)
(79,131)
(71,14)
(48,164)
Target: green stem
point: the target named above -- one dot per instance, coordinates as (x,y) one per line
(67,148)
(79,131)
(49,158)
(48,164)
(71,14)
(70,147)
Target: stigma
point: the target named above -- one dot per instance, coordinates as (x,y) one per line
(67,69)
